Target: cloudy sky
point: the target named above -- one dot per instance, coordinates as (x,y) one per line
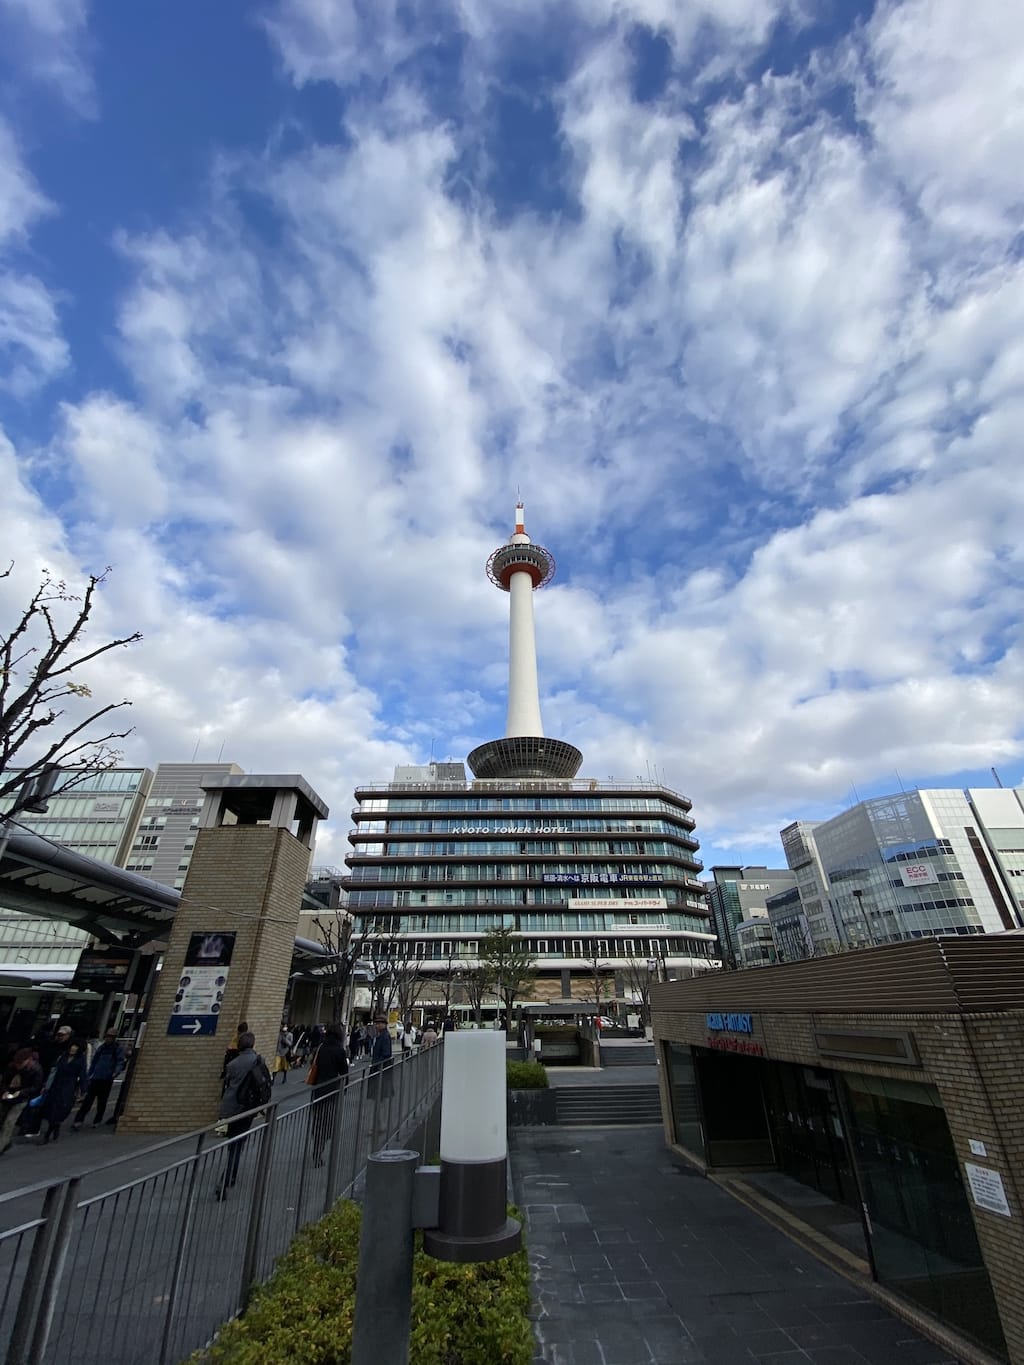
(295,296)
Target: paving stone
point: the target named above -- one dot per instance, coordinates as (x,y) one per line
(635,1264)
(761,1344)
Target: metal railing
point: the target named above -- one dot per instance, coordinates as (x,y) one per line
(150,1268)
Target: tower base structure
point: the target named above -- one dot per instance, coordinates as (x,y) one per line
(525,756)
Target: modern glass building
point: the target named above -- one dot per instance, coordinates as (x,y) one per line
(97,816)
(132,817)
(739,893)
(912,865)
(582,871)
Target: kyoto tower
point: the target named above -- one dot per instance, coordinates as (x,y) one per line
(518,567)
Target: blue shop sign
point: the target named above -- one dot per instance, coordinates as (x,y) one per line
(730,1023)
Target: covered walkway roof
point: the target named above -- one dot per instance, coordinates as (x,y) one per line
(38,877)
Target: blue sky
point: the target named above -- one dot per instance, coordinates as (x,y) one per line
(295,296)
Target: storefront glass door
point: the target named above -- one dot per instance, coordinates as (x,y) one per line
(922,1232)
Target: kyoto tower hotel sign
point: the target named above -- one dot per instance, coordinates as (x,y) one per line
(518,567)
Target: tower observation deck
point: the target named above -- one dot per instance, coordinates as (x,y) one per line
(518,567)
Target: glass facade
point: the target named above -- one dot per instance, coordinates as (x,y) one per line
(578,869)
(905,866)
(97,816)
(923,1239)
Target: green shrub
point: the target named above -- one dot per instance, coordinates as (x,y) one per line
(526,1076)
(461,1314)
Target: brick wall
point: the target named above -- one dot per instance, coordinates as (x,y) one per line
(244,879)
(974,1061)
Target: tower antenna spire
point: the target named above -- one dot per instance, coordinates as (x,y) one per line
(519,567)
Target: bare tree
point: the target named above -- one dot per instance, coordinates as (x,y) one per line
(345,948)
(511,967)
(446,982)
(639,975)
(477,983)
(41,658)
(597,980)
(409,981)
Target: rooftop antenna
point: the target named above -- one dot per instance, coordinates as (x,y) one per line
(998,779)
(195,751)
(220,751)
(900,781)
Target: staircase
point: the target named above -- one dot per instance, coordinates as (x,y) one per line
(627,1054)
(598,1104)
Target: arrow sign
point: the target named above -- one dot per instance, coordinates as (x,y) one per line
(191,1026)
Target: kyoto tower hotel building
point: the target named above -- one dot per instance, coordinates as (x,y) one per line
(583,871)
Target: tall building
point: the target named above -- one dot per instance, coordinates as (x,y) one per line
(736,894)
(911,865)
(98,816)
(132,817)
(589,875)
(166,832)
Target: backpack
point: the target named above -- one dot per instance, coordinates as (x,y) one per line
(256,1086)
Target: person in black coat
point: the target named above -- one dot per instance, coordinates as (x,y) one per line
(331,1071)
(67,1079)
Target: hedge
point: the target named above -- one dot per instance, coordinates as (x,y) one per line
(526,1076)
(461,1314)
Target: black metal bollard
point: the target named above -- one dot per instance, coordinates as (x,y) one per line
(380,1332)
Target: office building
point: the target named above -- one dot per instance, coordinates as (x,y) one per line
(738,893)
(756,942)
(142,821)
(910,865)
(591,876)
(166,832)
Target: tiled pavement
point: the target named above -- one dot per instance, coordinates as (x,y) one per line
(637,1260)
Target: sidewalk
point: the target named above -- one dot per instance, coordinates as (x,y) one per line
(88,1153)
(638,1260)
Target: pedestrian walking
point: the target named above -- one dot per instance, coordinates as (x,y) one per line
(23,1081)
(429,1035)
(107,1064)
(282,1058)
(331,1062)
(66,1080)
(231,1052)
(236,1099)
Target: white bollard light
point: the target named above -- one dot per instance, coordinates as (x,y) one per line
(472,1223)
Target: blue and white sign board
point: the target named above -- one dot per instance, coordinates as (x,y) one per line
(200,994)
(192,1025)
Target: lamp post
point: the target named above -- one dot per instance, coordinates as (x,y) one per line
(461,1205)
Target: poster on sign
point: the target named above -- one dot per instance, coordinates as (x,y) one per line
(199,997)
(918,874)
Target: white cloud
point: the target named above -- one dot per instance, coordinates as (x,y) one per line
(781,464)
(944,97)
(32,348)
(49,39)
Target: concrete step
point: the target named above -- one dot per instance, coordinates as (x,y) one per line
(608,1104)
(627,1054)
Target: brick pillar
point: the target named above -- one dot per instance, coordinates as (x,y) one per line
(244,879)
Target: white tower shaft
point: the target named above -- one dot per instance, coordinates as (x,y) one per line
(523,692)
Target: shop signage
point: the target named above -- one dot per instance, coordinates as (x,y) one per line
(918,874)
(730,1023)
(616,903)
(987,1189)
(200,994)
(740,1045)
(102,969)
(603,878)
(511,829)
